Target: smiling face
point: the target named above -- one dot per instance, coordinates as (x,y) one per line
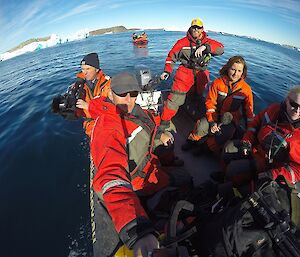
(196,32)
(293,105)
(235,72)
(90,72)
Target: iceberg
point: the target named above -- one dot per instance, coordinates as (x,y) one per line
(52,41)
(81,34)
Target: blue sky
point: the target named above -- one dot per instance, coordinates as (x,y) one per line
(271,20)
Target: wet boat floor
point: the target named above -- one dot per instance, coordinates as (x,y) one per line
(201,166)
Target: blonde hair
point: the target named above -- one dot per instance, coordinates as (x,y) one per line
(294,90)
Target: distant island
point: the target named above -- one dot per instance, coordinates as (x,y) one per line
(115,29)
(34,44)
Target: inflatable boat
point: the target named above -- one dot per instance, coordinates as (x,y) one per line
(140,41)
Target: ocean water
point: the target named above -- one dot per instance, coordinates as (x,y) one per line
(44,163)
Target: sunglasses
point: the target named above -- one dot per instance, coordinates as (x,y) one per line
(195,27)
(132,94)
(293,104)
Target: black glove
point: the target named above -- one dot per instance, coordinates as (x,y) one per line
(246,147)
(207,50)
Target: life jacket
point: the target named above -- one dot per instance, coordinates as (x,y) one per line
(140,142)
(273,137)
(276,143)
(197,63)
(235,98)
(273,141)
(144,162)
(185,47)
(138,132)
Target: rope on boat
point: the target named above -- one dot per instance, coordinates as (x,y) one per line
(92,203)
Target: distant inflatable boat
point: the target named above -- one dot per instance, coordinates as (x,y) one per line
(140,41)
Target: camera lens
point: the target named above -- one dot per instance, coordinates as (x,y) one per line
(57,100)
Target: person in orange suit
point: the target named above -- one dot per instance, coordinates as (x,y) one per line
(194,52)
(229,95)
(95,83)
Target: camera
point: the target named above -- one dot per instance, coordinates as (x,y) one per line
(198,63)
(65,104)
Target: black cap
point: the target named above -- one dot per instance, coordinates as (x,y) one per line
(92,60)
(124,82)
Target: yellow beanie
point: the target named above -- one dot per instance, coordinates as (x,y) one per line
(197,22)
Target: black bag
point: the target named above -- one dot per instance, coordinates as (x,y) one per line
(257,226)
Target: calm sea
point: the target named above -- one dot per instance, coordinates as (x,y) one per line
(44,159)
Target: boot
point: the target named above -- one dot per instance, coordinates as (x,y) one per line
(189,145)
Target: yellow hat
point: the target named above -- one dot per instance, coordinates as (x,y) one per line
(197,22)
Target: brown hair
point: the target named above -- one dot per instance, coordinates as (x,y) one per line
(230,62)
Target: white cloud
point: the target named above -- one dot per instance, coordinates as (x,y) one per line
(290,6)
(24,16)
(23,19)
(31,12)
(115,6)
(75,11)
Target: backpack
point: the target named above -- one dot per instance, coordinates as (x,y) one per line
(256,226)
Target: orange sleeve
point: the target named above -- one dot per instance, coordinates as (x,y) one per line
(211,101)
(111,179)
(249,106)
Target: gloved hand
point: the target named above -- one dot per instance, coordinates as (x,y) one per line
(167,138)
(164,75)
(144,247)
(246,147)
(200,50)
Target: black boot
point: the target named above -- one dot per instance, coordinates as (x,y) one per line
(189,145)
